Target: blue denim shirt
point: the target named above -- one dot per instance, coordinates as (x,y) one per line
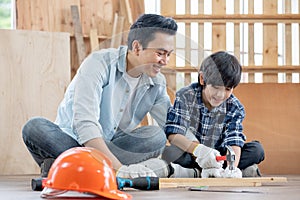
(98,97)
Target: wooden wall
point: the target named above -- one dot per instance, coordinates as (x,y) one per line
(34,73)
(272,109)
(38,61)
(272,117)
(96,16)
(265,120)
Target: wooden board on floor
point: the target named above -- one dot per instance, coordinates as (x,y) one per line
(234,182)
(34,73)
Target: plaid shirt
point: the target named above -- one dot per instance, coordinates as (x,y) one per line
(216,128)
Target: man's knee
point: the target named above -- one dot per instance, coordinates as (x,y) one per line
(158,135)
(32,127)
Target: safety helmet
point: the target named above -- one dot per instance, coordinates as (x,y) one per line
(85,170)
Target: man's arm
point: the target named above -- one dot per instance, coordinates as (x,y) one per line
(98,143)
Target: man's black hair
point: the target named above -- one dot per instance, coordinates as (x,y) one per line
(221,69)
(145,27)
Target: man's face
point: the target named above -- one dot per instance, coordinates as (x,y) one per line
(157,54)
(214,96)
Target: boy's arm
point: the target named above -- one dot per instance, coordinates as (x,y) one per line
(237,150)
(182,142)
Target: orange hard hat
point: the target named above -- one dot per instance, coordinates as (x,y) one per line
(87,170)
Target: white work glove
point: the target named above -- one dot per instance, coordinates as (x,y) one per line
(206,157)
(212,173)
(235,173)
(134,171)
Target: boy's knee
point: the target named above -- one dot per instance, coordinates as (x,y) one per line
(258,150)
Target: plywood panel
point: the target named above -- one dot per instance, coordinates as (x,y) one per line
(272,117)
(34,72)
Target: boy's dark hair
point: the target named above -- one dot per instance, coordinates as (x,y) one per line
(221,69)
(145,27)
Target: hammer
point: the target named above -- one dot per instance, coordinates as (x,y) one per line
(230,157)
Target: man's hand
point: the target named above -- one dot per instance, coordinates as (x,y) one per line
(212,173)
(134,171)
(206,157)
(235,173)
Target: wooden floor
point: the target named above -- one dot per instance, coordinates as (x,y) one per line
(18,187)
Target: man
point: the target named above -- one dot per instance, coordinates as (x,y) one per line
(107,99)
(206,117)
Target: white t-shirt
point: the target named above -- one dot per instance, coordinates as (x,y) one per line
(133,82)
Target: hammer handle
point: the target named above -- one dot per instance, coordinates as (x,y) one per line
(219,158)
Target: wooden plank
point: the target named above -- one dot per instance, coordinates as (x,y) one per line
(188,38)
(94,42)
(80,46)
(288,41)
(218,30)
(129,13)
(252,69)
(270,41)
(137,8)
(241,18)
(34,73)
(23,10)
(251,76)
(98,14)
(237,48)
(226,182)
(118,27)
(168,7)
(200,33)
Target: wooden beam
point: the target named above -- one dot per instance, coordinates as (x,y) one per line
(288,41)
(270,41)
(254,68)
(94,42)
(118,28)
(251,76)
(80,46)
(218,29)
(239,18)
(226,182)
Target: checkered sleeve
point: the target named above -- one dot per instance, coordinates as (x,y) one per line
(234,128)
(177,118)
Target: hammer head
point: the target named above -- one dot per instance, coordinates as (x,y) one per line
(230,157)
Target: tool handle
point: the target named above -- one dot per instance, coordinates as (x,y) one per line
(37,184)
(140,183)
(219,158)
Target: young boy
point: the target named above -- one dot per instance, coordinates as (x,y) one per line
(110,95)
(206,117)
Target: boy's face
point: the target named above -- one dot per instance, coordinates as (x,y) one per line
(156,54)
(213,96)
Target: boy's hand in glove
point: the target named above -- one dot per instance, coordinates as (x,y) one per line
(134,171)
(235,173)
(206,157)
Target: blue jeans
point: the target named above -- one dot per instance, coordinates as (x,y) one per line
(44,139)
(252,153)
